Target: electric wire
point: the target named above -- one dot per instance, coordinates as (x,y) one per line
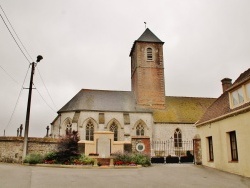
(15,39)
(9,75)
(27,71)
(17,100)
(16,33)
(25,51)
(44,99)
(46,88)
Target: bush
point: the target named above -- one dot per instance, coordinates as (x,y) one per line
(85,159)
(68,148)
(50,156)
(34,158)
(141,159)
(131,159)
(122,158)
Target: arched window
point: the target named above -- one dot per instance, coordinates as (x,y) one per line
(140,130)
(114,128)
(177,138)
(90,131)
(149,54)
(68,128)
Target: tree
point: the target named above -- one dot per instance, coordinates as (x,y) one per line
(68,148)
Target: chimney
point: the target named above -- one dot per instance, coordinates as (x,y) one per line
(226,83)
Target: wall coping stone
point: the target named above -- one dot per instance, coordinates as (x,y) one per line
(30,139)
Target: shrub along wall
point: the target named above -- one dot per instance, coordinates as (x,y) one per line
(11,148)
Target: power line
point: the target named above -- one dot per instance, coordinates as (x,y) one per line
(17,101)
(44,99)
(46,88)
(9,75)
(16,33)
(15,39)
(28,55)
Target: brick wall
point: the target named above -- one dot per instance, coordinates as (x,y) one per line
(197,150)
(141,139)
(11,148)
(148,76)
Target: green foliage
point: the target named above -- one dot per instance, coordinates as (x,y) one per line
(85,159)
(141,159)
(50,156)
(34,158)
(128,159)
(68,148)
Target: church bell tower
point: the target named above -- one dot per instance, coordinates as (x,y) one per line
(147,71)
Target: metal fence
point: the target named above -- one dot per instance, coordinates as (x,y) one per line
(171,148)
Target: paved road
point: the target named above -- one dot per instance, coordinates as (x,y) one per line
(177,175)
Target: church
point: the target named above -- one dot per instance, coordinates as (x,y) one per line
(136,118)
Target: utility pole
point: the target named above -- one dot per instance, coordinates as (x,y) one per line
(26,131)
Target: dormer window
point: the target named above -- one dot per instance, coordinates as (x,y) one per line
(248,91)
(240,96)
(237,97)
(149,54)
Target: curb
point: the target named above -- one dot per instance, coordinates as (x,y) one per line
(83,166)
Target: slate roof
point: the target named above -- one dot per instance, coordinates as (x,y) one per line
(221,107)
(147,36)
(178,109)
(182,109)
(102,100)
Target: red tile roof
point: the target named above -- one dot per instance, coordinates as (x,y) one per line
(221,106)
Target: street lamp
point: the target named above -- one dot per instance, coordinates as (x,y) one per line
(26,131)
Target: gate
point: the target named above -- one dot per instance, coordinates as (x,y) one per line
(171,152)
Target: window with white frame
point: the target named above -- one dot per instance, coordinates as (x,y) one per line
(90,131)
(114,128)
(240,96)
(248,90)
(68,128)
(237,97)
(139,130)
(177,138)
(149,54)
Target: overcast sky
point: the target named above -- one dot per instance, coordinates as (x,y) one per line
(86,44)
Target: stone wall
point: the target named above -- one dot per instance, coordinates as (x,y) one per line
(165,131)
(126,130)
(11,148)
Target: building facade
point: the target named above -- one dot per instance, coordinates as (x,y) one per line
(145,112)
(225,128)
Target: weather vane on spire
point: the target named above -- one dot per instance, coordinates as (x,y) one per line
(145,25)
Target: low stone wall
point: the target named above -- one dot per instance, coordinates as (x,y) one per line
(11,148)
